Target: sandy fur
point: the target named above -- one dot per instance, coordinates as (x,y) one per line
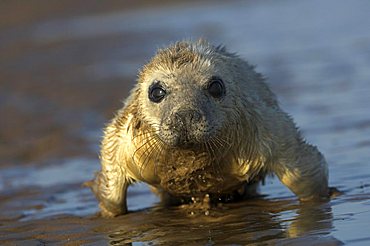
(258,138)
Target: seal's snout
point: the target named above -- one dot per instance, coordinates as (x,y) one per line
(187,118)
(187,125)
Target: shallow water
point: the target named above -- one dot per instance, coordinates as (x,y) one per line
(64,70)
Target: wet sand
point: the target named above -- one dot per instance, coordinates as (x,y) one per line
(66,67)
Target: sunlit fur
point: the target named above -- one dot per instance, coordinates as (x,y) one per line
(241,138)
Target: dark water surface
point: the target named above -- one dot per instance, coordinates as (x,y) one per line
(65,67)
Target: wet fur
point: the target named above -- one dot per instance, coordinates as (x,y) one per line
(254,138)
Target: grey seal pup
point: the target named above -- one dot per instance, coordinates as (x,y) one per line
(201,121)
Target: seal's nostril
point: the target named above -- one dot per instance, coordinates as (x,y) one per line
(196,116)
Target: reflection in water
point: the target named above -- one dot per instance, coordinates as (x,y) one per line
(311,219)
(254,221)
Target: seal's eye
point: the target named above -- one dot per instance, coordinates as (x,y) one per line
(156,93)
(216,87)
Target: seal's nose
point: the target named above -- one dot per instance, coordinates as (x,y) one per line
(185,118)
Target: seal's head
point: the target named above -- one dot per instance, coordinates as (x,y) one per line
(185,93)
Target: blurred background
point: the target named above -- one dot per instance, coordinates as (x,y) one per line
(66,66)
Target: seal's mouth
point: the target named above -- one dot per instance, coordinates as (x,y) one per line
(186,141)
(188,145)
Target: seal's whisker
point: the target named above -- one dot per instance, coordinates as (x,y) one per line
(163,151)
(158,152)
(158,147)
(211,158)
(145,140)
(219,142)
(139,149)
(224,141)
(223,146)
(216,160)
(146,132)
(148,154)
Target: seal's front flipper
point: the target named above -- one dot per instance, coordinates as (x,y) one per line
(111,192)
(305,172)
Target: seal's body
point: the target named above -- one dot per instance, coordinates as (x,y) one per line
(201,121)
